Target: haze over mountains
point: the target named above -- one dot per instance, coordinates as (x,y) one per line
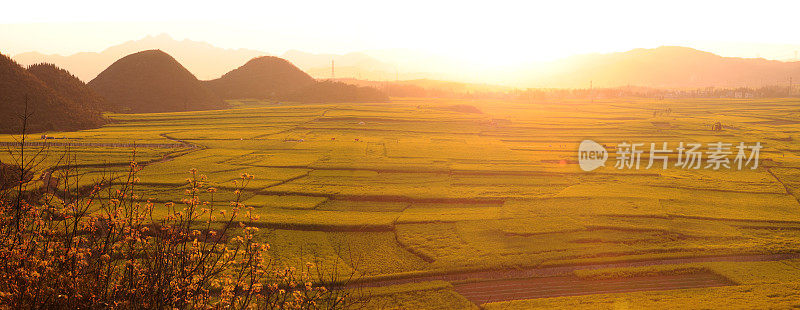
(354,65)
(195,56)
(204,60)
(669,67)
(665,67)
(153,81)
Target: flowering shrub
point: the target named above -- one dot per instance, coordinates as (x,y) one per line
(104,247)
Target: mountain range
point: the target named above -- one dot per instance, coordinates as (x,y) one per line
(151,81)
(353,65)
(209,62)
(663,67)
(667,66)
(204,60)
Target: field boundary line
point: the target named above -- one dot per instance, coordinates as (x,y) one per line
(786,187)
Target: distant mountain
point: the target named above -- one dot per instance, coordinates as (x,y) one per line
(261,77)
(310,60)
(350,72)
(152,81)
(330,91)
(67,85)
(352,65)
(432,88)
(270,77)
(47,109)
(413,64)
(204,60)
(667,66)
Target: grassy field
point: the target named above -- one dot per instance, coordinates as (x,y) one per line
(412,186)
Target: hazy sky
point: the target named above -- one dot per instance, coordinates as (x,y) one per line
(483,32)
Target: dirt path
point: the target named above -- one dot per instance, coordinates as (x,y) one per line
(490,275)
(785,186)
(98,144)
(542,287)
(502,285)
(49,180)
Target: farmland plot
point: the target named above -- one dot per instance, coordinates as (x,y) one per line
(422,186)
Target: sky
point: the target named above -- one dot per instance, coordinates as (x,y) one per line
(486,33)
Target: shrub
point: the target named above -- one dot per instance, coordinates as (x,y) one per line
(64,246)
